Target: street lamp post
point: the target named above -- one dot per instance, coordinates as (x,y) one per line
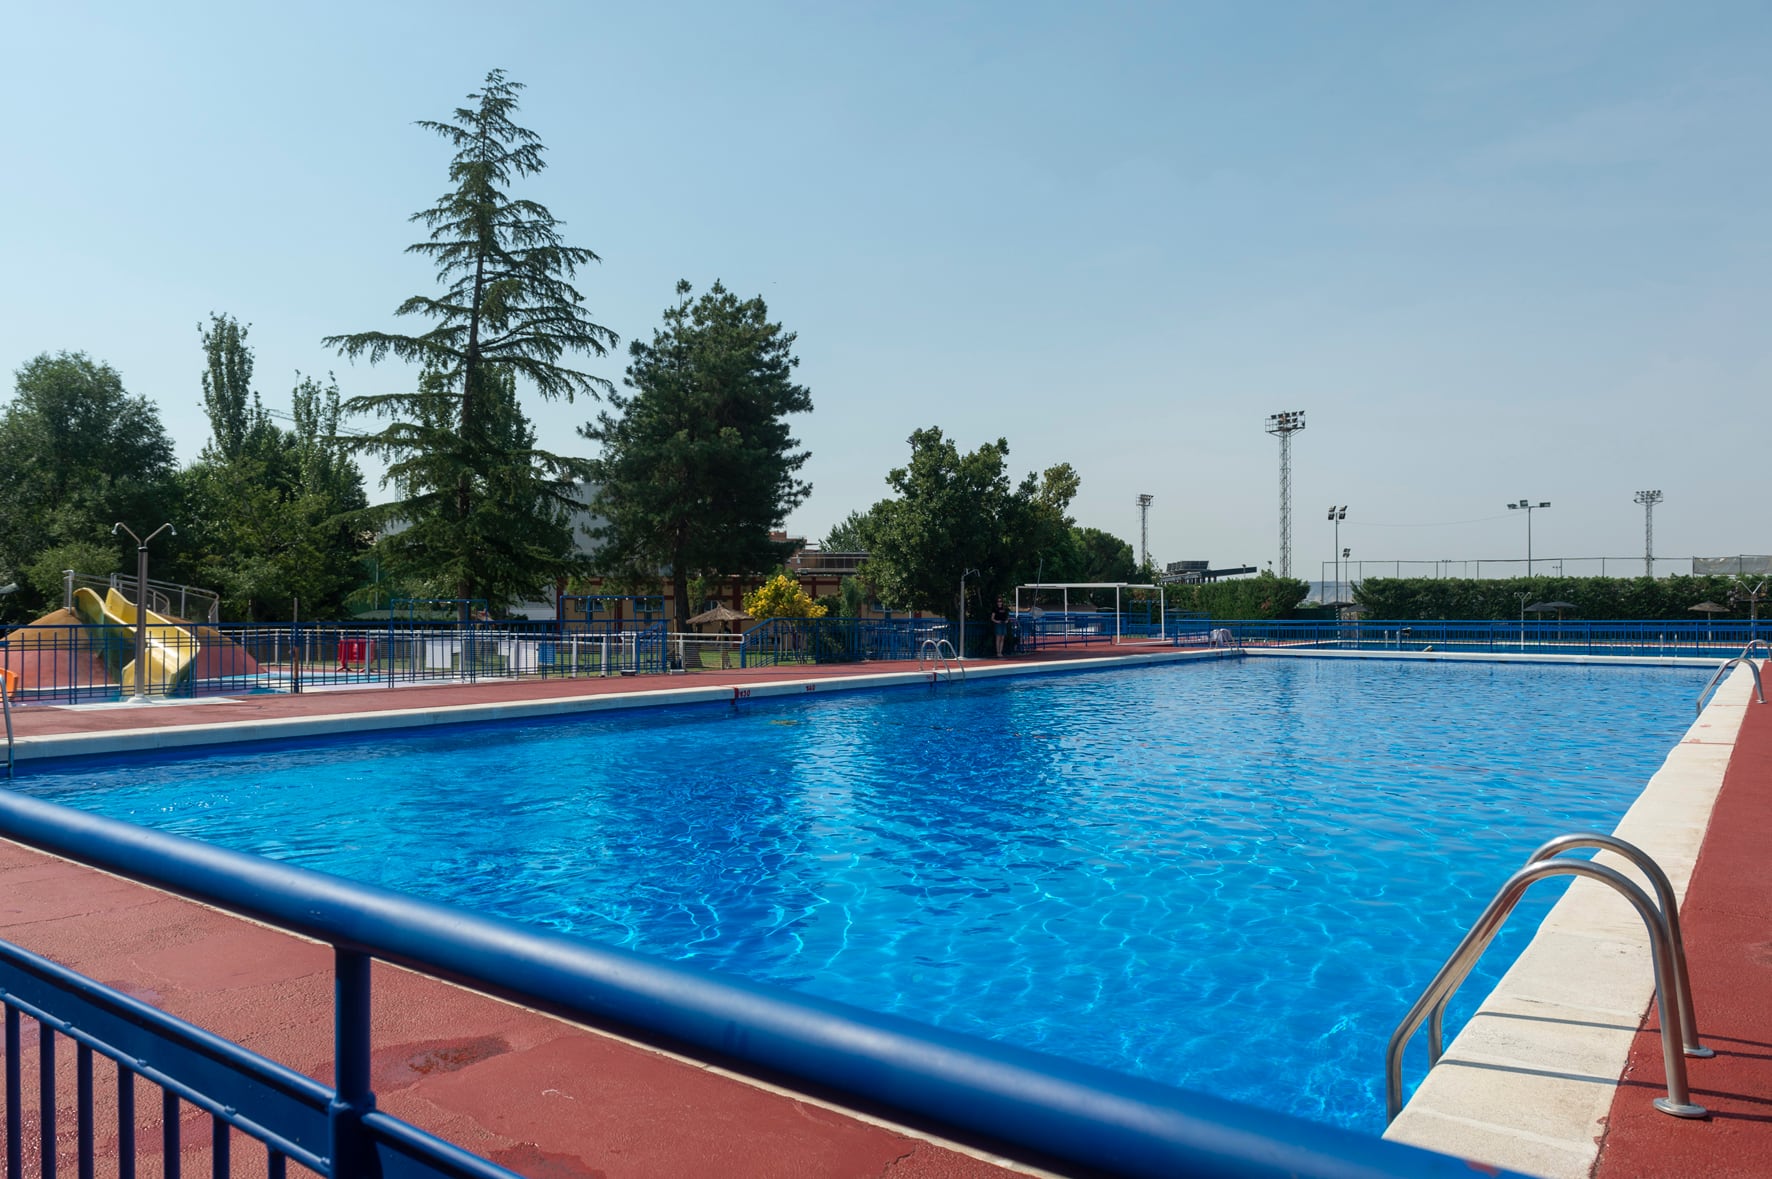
(1530,508)
(1337,515)
(141,602)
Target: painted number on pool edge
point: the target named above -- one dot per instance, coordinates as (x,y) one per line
(741,693)
(812,687)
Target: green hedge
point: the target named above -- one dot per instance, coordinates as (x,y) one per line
(1595,598)
(1265,596)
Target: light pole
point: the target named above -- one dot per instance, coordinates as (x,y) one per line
(1337,515)
(1283,426)
(141,602)
(1524,598)
(1648,499)
(1530,508)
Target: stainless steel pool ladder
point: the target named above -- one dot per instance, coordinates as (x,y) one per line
(1679,1034)
(1747,658)
(930,653)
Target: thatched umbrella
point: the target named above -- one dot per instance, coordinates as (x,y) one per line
(1710,610)
(1547,607)
(720,615)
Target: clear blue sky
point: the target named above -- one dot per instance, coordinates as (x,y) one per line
(1493,251)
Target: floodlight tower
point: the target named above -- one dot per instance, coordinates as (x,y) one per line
(1648,499)
(1285,425)
(1529,507)
(1144,529)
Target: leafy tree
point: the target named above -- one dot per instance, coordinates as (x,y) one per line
(280,519)
(849,535)
(236,417)
(475,488)
(781,596)
(699,466)
(957,512)
(77,454)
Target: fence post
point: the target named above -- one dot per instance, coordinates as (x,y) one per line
(352,1097)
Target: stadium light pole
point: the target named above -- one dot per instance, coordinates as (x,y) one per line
(141,602)
(1144,530)
(1648,499)
(1530,508)
(1337,515)
(1283,426)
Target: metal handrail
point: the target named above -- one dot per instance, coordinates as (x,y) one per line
(1678,1101)
(934,656)
(1716,676)
(1669,906)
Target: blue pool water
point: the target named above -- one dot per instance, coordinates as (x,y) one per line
(1230,876)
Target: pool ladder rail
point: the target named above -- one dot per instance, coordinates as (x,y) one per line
(1746,658)
(939,657)
(1679,1034)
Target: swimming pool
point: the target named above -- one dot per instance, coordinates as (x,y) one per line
(1228,875)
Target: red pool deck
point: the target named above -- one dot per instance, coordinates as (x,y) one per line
(1727,927)
(553,1101)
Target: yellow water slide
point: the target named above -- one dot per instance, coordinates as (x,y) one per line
(171,648)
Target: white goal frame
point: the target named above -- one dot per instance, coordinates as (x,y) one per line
(1065,588)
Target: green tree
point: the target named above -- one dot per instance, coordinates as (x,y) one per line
(236,417)
(280,519)
(957,512)
(699,466)
(77,454)
(516,534)
(507,311)
(849,535)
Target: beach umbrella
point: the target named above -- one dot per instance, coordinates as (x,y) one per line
(1547,607)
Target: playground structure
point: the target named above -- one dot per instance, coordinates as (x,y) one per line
(87,649)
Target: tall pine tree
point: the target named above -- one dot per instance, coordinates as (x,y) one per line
(461,452)
(699,467)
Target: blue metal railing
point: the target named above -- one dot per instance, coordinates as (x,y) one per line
(1068,1117)
(71,664)
(785,641)
(1668,639)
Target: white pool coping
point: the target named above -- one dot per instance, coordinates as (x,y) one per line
(226,732)
(1528,1083)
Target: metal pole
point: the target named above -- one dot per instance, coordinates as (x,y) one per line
(141,603)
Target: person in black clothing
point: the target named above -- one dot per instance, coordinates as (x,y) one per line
(1000,624)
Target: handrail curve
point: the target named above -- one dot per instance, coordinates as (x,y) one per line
(1717,675)
(1678,1101)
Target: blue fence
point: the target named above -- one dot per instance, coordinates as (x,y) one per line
(1070,1118)
(1665,639)
(75,663)
(785,641)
